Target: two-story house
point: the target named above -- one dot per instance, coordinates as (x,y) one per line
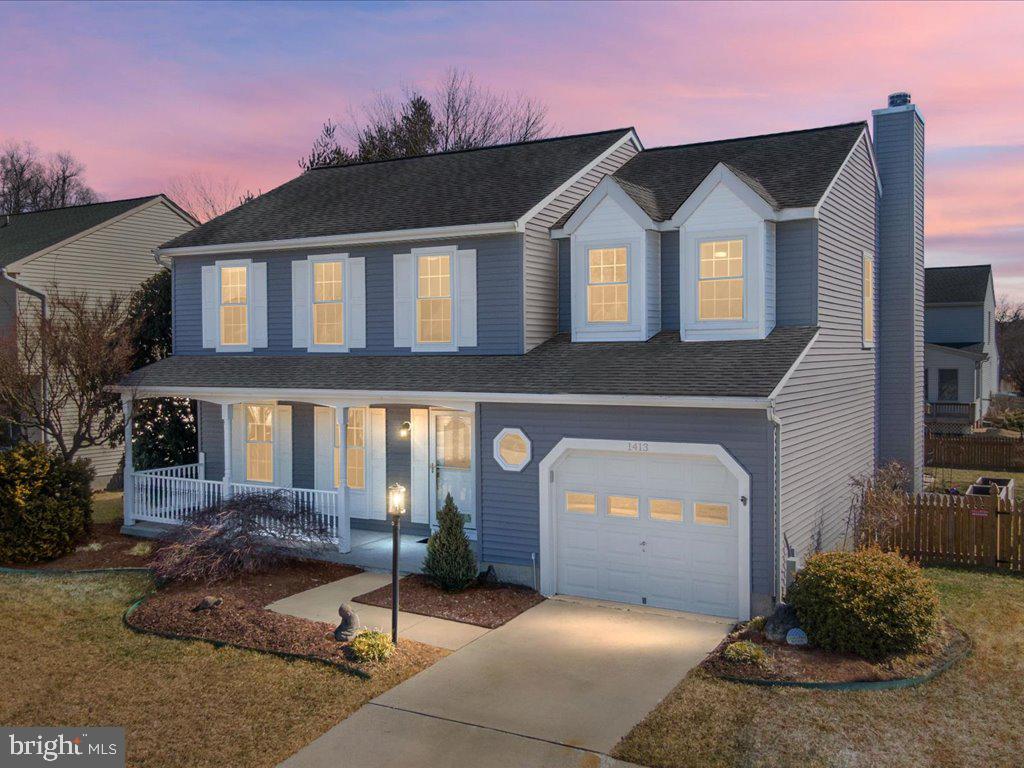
(960,355)
(95,249)
(644,375)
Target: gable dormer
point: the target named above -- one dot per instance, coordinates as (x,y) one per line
(615,268)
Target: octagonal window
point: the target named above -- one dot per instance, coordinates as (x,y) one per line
(512,449)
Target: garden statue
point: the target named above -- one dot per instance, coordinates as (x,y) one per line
(349,623)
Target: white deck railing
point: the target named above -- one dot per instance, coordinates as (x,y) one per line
(190,471)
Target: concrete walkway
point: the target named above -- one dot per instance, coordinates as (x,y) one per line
(557,686)
(321,604)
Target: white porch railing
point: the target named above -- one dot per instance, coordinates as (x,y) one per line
(190,471)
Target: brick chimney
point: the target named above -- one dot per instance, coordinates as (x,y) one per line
(899,151)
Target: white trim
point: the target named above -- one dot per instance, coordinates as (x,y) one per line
(782,214)
(867,257)
(633,327)
(522,221)
(250,316)
(451,252)
(548,580)
(792,369)
(457,400)
(979,357)
(346,295)
(722,174)
(608,187)
(497,449)
(358,238)
(874,168)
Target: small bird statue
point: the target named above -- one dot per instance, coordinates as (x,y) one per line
(349,623)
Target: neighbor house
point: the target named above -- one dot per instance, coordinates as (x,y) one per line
(96,249)
(644,375)
(961,362)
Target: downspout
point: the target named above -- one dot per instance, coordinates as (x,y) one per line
(44,309)
(777,512)
(156,258)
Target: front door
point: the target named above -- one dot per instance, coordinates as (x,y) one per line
(451,464)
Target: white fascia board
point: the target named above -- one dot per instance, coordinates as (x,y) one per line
(979,356)
(15,266)
(366,396)
(722,174)
(358,238)
(792,369)
(608,187)
(871,155)
(629,137)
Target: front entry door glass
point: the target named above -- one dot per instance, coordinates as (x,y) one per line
(453,463)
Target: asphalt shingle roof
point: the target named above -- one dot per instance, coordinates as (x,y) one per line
(664,365)
(789,170)
(23,234)
(956,285)
(480,186)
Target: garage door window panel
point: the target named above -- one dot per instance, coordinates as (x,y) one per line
(623,506)
(665,510)
(711,513)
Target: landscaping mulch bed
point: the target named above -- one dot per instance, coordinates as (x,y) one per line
(805,664)
(104,547)
(241,618)
(484,605)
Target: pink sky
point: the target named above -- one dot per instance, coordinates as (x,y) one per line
(143,93)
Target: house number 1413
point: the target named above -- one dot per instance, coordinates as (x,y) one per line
(638,447)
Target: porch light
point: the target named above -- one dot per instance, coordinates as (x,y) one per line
(403,432)
(396,508)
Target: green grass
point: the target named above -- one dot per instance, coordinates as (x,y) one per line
(68,660)
(969,715)
(961,478)
(107,507)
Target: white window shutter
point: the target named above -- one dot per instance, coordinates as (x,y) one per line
(258,274)
(466,276)
(323,448)
(238,430)
(210,319)
(300,304)
(405,314)
(356,314)
(283,446)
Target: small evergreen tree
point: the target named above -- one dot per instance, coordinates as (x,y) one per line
(450,562)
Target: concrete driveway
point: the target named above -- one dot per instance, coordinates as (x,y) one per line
(557,686)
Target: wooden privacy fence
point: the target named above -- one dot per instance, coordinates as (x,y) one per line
(989,452)
(943,529)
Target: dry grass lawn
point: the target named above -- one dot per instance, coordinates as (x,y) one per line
(67,660)
(970,715)
(961,478)
(107,507)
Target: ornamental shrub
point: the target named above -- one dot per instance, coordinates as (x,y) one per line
(868,602)
(745,652)
(45,503)
(450,562)
(371,645)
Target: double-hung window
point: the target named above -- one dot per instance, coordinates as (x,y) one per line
(868,300)
(234,306)
(328,303)
(608,285)
(355,450)
(720,280)
(434,299)
(259,443)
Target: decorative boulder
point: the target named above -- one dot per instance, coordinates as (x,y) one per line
(796,636)
(208,603)
(349,623)
(780,622)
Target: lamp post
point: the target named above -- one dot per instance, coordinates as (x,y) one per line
(396,508)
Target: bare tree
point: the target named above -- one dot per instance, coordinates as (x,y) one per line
(1010,341)
(55,368)
(206,196)
(460,114)
(31,182)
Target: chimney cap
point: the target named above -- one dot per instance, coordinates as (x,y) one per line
(899,99)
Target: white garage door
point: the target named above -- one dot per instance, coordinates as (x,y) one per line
(645,528)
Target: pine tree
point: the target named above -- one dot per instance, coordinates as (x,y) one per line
(450,562)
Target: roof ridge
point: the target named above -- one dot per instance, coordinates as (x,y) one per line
(961,266)
(759,136)
(85,205)
(476,149)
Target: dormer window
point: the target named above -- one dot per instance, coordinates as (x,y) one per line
(234,306)
(720,281)
(608,285)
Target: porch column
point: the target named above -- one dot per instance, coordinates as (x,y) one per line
(129,466)
(344,529)
(225,414)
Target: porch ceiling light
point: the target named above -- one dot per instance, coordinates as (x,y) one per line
(396,500)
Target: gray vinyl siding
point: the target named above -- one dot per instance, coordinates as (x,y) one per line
(796,272)
(303,445)
(115,258)
(564,285)
(827,408)
(899,149)
(954,324)
(509,519)
(211,438)
(540,265)
(652,243)
(670,280)
(498,264)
